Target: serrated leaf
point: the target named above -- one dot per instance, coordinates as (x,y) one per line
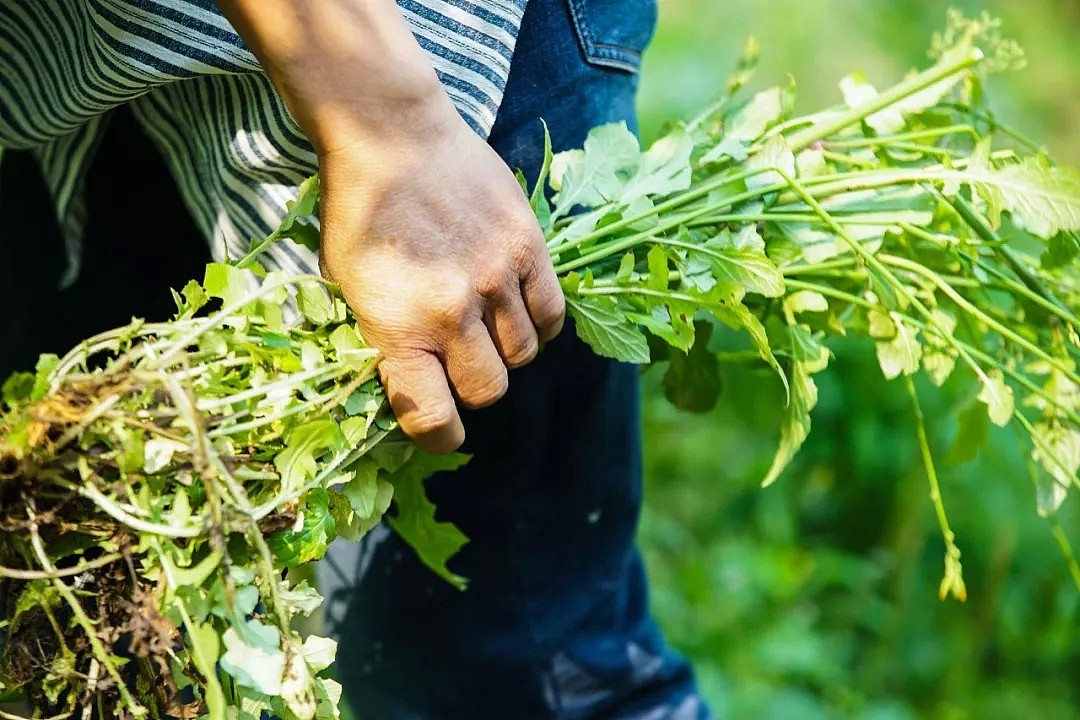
(305,444)
(607,330)
(745,266)
(1044,199)
(292,548)
(795,426)
(664,169)
(435,542)
(596,173)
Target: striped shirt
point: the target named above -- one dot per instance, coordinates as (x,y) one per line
(235,152)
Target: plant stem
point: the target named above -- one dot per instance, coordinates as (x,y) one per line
(914,84)
(953,582)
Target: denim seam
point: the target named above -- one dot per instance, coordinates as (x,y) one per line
(619,57)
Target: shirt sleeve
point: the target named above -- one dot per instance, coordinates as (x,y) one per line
(64,64)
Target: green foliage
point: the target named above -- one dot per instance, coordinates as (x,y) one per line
(208,454)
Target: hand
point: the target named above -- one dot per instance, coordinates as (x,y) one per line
(424,227)
(438,253)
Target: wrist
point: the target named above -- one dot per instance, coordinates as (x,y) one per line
(371,124)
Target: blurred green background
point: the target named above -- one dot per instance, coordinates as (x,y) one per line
(817,598)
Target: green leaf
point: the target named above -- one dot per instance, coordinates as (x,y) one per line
(17,388)
(774,158)
(902,354)
(45,365)
(295,225)
(857,92)
(305,444)
(1044,199)
(795,426)
(319,652)
(607,330)
(315,304)
(763,111)
(294,548)
(435,542)
(998,398)
(363,488)
(538,199)
(742,264)
(300,600)
(158,453)
(974,430)
(1057,450)
(227,283)
(658,269)
(693,381)
(253,657)
(205,645)
(664,169)
(328,695)
(596,173)
(672,323)
(806,301)
(1061,250)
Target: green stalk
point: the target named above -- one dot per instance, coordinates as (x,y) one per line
(975,352)
(914,84)
(953,582)
(978,314)
(888,140)
(1066,548)
(557,247)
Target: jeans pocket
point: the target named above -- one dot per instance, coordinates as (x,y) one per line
(614,33)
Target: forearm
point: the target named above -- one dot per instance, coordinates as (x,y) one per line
(350,71)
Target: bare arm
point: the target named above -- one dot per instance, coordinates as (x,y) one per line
(424,227)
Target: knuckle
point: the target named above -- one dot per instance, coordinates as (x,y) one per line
(549,310)
(526,248)
(426,421)
(523,353)
(493,277)
(486,392)
(454,309)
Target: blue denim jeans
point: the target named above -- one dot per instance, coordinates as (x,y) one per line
(555,623)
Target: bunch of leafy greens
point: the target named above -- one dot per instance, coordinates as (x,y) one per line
(161,484)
